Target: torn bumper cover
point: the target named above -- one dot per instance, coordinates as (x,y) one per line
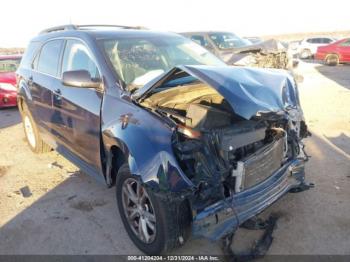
(224,217)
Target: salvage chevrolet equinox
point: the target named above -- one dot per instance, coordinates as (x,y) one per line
(194,147)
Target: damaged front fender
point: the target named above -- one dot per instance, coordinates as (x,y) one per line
(146,143)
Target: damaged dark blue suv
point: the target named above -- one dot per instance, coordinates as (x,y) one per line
(192,145)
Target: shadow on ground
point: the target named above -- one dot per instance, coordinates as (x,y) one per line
(339,74)
(9,117)
(310,61)
(342,142)
(78,216)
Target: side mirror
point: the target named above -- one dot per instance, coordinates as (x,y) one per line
(79,78)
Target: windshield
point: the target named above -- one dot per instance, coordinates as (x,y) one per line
(227,40)
(139,60)
(9,65)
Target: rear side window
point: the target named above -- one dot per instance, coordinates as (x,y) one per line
(327,40)
(50,57)
(9,65)
(29,54)
(318,41)
(77,57)
(345,43)
(315,40)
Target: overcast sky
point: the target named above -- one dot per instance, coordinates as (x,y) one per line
(21,20)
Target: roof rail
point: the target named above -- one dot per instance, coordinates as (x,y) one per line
(77,27)
(59,28)
(116,26)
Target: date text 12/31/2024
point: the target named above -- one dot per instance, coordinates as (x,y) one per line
(173,258)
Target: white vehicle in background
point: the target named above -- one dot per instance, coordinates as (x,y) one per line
(308,47)
(293,47)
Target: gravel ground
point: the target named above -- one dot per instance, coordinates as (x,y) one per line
(66,212)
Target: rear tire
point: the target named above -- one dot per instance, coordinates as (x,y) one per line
(172,220)
(36,144)
(332,60)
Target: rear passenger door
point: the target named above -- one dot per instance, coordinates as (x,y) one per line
(80,107)
(42,83)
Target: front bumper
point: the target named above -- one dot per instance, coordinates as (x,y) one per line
(225,216)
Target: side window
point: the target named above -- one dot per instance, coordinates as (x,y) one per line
(310,40)
(9,65)
(199,39)
(77,57)
(29,54)
(318,41)
(327,40)
(50,57)
(345,43)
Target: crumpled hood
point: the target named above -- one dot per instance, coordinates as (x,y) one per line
(271,45)
(268,46)
(234,55)
(247,90)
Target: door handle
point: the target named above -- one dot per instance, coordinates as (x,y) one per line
(30,80)
(57,97)
(57,92)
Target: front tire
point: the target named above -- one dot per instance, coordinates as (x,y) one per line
(36,144)
(153,224)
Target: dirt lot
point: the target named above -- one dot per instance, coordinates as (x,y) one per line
(69,213)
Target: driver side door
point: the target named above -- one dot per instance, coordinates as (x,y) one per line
(80,108)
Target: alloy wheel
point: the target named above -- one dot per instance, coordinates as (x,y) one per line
(139,210)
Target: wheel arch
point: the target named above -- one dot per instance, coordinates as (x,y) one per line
(119,157)
(117,154)
(23,94)
(332,54)
(20,103)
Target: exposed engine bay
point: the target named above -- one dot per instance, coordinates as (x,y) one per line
(221,152)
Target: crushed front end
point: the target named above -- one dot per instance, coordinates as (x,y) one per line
(239,170)
(239,157)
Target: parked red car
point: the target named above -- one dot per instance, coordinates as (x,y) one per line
(8,91)
(335,53)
